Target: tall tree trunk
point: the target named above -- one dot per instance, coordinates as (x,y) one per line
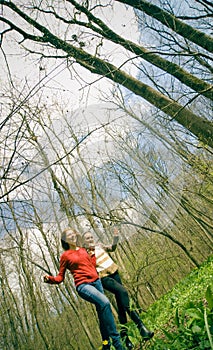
(170,21)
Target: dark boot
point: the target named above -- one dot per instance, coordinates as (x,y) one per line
(125,338)
(144,332)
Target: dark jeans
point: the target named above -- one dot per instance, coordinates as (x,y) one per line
(94,293)
(113,284)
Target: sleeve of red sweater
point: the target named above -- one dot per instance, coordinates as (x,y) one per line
(61,274)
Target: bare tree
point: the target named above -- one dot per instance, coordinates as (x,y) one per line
(130,168)
(115,176)
(83,17)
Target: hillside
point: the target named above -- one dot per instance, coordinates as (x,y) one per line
(183,318)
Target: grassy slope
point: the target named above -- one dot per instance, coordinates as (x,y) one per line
(166,315)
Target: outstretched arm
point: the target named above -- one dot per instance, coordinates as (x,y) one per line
(113,246)
(61,274)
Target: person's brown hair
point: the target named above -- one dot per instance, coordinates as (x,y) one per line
(64,244)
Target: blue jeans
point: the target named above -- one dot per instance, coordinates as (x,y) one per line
(94,293)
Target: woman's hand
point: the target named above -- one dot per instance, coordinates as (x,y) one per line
(46,279)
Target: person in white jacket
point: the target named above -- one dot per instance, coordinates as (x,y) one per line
(111,281)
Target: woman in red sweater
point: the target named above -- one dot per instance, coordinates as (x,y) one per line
(111,281)
(87,283)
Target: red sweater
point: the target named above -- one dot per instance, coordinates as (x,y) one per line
(80,264)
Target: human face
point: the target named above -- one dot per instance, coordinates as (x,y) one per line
(89,240)
(71,238)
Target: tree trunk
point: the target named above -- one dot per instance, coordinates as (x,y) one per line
(170,21)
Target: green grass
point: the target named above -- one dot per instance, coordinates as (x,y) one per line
(183,318)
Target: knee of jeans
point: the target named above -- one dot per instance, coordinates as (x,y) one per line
(107,304)
(124,300)
(124,294)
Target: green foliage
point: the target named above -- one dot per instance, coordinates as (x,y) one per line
(183,318)
(189,330)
